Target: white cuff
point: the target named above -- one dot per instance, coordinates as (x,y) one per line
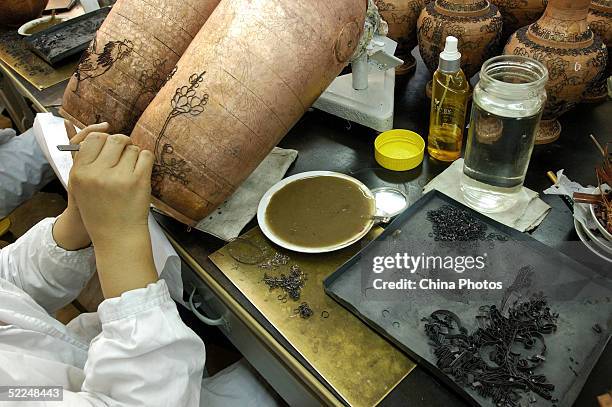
(134,302)
(56,252)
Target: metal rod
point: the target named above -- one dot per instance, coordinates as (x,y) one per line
(599,147)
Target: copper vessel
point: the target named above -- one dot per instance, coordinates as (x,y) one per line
(402,16)
(14,13)
(600,21)
(131,57)
(518,13)
(247,77)
(562,40)
(477,24)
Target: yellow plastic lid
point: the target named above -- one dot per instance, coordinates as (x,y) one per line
(399,150)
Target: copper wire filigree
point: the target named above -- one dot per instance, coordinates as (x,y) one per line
(186,101)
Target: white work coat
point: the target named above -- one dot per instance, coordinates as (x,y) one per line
(24,170)
(135,351)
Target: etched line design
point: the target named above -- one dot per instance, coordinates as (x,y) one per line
(186,101)
(95,63)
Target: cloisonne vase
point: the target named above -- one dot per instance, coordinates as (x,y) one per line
(575,57)
(600,21)
(477,24)
(401,16)
(518,13)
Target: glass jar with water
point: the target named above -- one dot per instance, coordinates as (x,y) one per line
(507,106)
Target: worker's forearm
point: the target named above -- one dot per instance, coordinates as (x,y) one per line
(125,263)
(69,232)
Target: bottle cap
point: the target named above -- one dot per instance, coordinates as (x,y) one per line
(399,149)
(450,58)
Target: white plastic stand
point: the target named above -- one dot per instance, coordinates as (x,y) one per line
(366,95)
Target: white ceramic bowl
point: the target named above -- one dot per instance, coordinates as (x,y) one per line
(23,30)
(598,240)
(580,230)
(265,201)
(603,230)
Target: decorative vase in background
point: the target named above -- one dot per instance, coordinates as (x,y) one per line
(402,16)
(477,24)
(562,40)
(600,21)
(518,13)
(14,13)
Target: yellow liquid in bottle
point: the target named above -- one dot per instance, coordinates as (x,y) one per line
(449,97)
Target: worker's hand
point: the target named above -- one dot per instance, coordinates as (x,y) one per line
(111,184)
(69,231)
(78,137)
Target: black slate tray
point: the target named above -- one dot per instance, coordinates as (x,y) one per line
(69,38)
(581,296)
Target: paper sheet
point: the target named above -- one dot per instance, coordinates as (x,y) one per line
(50,132)
(236,212)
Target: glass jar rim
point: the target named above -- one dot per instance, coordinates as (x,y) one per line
(536,67)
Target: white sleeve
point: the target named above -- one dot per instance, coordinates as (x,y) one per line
(145,356)
(52,276)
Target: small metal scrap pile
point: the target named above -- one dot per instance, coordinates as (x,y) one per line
(304,310)
(498,360)
(452,224)
(291,284)
(275,261)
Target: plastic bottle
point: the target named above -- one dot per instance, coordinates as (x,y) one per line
(449,97)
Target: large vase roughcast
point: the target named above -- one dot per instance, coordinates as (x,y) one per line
(131,57)
(575,57)
(247,77)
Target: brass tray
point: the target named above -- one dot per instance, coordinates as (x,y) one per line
(356,362)
(15,52)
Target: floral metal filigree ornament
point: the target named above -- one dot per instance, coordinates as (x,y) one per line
(186,101)
(500,358)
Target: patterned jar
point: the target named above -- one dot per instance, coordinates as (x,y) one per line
(401,16)
(518,13)
(476,23)
(562,40)
(600,21)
